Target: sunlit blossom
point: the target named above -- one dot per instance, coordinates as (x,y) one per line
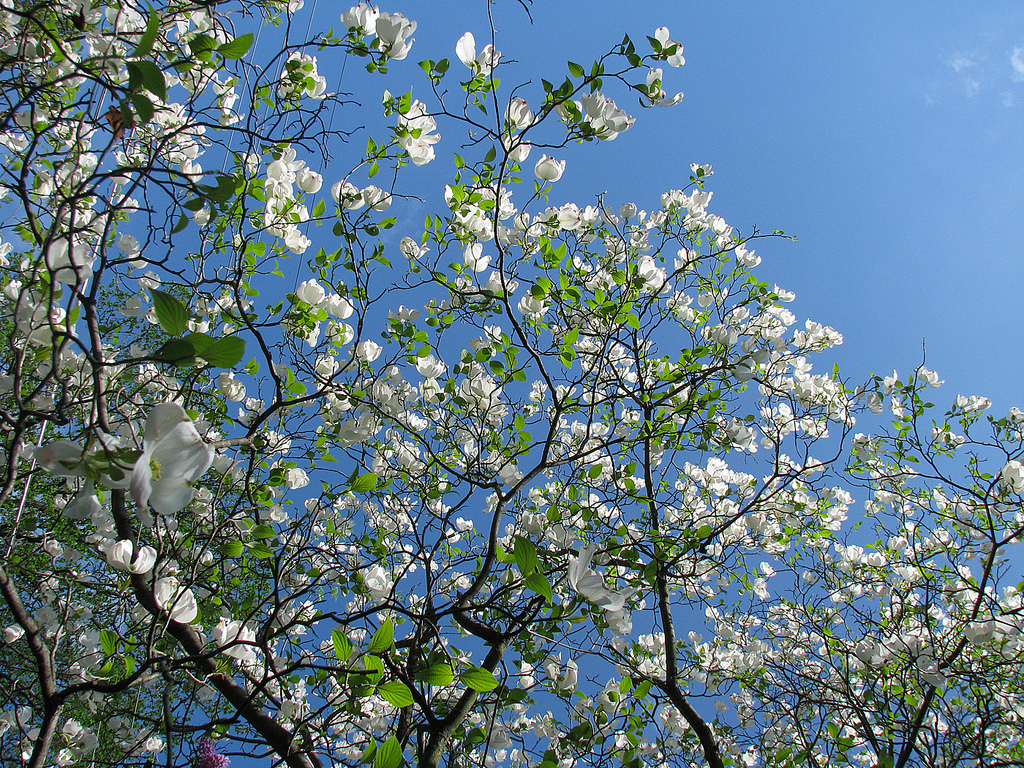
(174,456)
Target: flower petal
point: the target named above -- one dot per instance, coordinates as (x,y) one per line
(170,495)
(465,49)
(162,419)
(183,453)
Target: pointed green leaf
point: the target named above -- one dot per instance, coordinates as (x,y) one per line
(200,341)
(525,553)
(374,666)
(225,352)
(436,674)
(237,48)
(170,312)
(364,483)
(478,679)
(178,352)
(382,638)
(259,550)
(143,107)
(396,693)
(108,641)
(342,645)
(539,583)
(231,548)
(389,754)
(147,75)
(371,750)
(148,37)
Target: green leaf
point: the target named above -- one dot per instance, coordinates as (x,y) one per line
(525,553)
(396,693)
(436,674)
(259,550)
(182,223)
(539,583)
(575,69)
(382,638)
(143,107)
(201,43)
(225,352)
(170,312)
(109,642)
(263,531)
(364,483)
(147,75)
(231,548)
(371,750)
(389,754)
(374,666)
(342,645)
(225,189)
(199,341)
(145,44)
(178,352)
(237,48)
(478,679)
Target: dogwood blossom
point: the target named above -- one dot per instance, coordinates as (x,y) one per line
(482,64)
(549,169)
(393,31)
(360,19)
(123,556)
(590,584)
(174,456)
(178,600)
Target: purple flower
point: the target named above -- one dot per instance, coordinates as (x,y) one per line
(207,756)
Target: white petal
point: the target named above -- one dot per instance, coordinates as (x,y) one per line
(183,453)
(142,481)
(578,566)
(162,419)
(120,555)
(465,49)
(176,600)
(170,495)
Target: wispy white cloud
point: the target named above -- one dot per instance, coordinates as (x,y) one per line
(977,73)
(961,61)
(970,66)
(1017,62)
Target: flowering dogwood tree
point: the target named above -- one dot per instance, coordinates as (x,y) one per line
(530,485)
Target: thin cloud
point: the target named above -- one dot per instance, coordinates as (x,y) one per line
(1017,62)
(962,61)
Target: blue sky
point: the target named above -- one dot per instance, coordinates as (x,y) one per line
(888,138)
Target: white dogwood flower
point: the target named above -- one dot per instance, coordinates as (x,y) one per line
(174,456)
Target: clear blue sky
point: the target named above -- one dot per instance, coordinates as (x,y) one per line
(887,137)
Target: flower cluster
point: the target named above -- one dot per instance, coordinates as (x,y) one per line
(299,78)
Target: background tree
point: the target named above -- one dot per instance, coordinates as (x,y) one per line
(481,474)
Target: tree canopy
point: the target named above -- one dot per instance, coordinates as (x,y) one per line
(293,479)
